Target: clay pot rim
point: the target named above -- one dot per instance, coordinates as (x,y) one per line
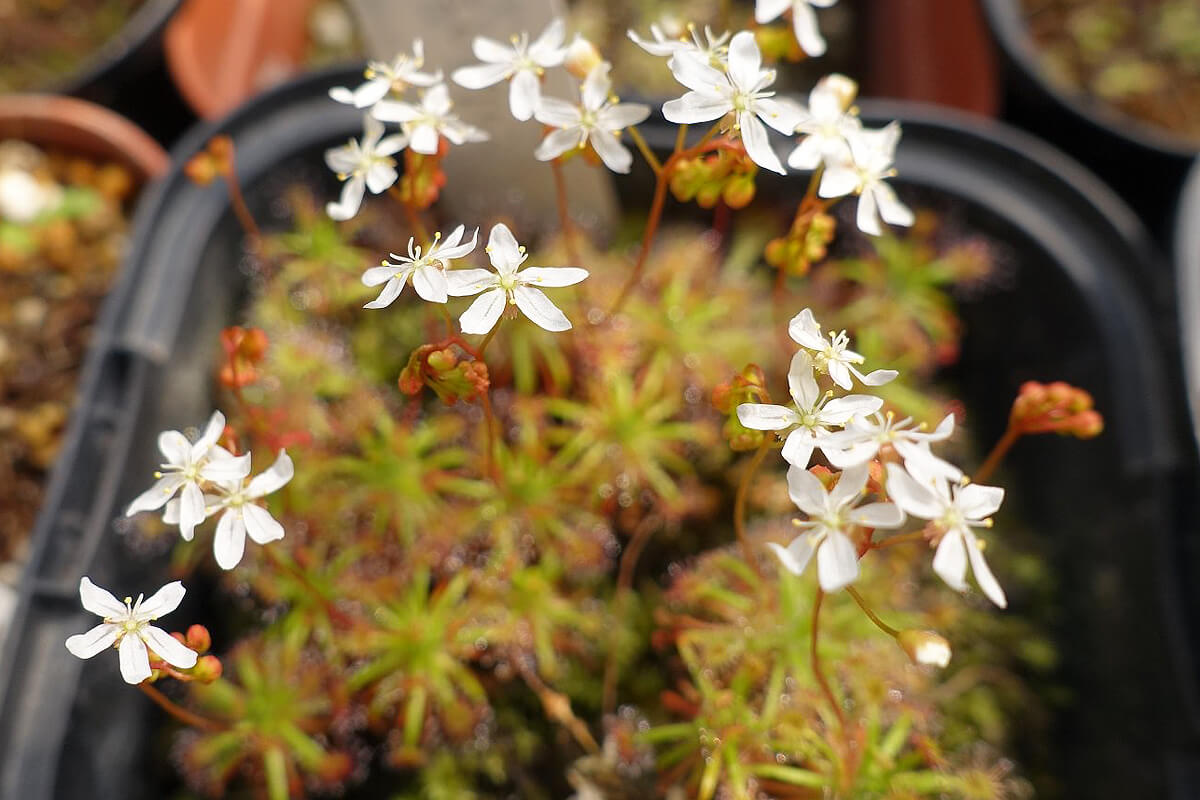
(1012,34)
(83,127)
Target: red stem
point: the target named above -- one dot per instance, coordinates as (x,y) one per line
(180,713)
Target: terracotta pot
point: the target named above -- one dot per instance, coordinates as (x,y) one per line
(932,51)
(81,127)
(221,52)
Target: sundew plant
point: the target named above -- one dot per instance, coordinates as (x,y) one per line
(532,517)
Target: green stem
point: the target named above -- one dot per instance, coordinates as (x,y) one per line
(883,626)
(739,505)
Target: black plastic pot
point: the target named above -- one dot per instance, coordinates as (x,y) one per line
(128,74)
(70,729)
(1145,164)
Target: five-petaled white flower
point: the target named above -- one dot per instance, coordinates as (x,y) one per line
(507,285)
(739,90)
(833,356)
(826,123)
(243,516)
(810,424)
(523,63)
(127,625)
(804,20)
(427,121)
(711,50)
(427,269)
(830,516)
(187,465)
(382,78)
(863,436)
(955,510)
(363,165)
(595,120)
(872,154)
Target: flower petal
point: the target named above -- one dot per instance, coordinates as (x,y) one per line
(524,93)
(849,486)
(274,478)
(983,574)
(838,181)
(135,661)
(558,142)
(696,107)
(260,525)
(540,309)
(802,384)
(191,509)
(698,75)
(950,560)
(837,562)
(557,113)
(766,417)
(614,154)
(745,60)
(99,638)
(878,515)
(175,447)
(168,648)
(388,295)
(380,176)
(381,274)
(806,491)
(804,25)
(503,250)
(466,282)
(99,601)
(890,208)
(622,115)
(757,144)
(841,410)
(976,501)
(349,202)
(481,316)
(798,447)
(546,49)
(157,495)
(879,377)
(229,542)
(911,496)
(795,556)
(424,139)
(767,10)
(552,276)
(222,467)
(161,603)
(480,76)
(486,49)
(430,283)
(867,216)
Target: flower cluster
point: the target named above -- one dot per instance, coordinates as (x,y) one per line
(852,434)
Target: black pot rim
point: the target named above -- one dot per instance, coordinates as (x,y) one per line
(1004,19)
(146,23)
(1187,273)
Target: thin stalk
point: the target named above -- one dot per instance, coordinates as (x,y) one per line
(904,538)
(564,216)
(240,209)
(410,214)
(661,182)
(644,148)
(999,451)
(816,661)
(629,558)
(489,423)
(486,341)
(739,505)
(883,626)
(179,712)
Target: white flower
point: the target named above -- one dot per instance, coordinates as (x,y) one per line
(243,516)
(739,90)
(523,63)
(804,20)
(863,436)
(833,355)
(506,285)
(872,153)
(595,120)
(815,414)
(710,50)
(365,165)
(428,269)
(382,77)
(830,516)
(955,509)
(424,123)
(127,625)
(187,465)
(827,121)
(925,648)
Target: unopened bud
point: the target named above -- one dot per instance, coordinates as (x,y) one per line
(198,638)
(207,669)
(1088,425)
(442,360)
(843,89)
(739,191)
(925,648)
(582,58)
